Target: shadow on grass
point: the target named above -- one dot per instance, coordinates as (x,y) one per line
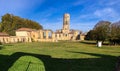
(1,47)
(104,63)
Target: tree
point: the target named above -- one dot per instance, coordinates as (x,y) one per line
(90,35)
(10,23)
(102,29)
(115,33)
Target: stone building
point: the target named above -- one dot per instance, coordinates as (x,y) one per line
(4,38)
(66,33)
(35,35)
(29,35)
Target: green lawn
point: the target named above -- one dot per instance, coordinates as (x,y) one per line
(58,56)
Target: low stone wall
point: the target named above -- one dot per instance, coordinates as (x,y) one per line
(14,39)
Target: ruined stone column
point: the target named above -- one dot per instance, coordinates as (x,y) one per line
(41,34)
(47,36)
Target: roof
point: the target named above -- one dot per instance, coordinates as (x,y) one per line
(25,29)
(72,32)
(3,34)
(57,32)
(47,30)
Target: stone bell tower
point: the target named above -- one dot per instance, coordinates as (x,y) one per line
(66,23)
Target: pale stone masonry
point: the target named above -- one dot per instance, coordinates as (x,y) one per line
(29,35)
(66,33)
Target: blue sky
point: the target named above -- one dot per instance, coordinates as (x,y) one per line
(49,13)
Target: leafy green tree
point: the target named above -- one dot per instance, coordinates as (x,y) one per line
(102,30)
(90,35)
(10,23)
(115,33)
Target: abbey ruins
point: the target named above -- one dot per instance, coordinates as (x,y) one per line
(29,35)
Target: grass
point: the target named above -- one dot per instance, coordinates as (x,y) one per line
(28,63)
(59,56)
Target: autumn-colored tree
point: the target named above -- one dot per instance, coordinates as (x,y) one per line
(9,23)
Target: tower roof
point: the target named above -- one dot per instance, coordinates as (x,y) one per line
(66,14)
(25,29)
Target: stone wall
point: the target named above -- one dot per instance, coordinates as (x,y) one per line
(14,39)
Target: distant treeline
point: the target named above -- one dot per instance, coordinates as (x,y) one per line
(105,31)
(9,23)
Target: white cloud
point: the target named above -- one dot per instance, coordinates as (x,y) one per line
(82,26)
(106,13)
(112,2)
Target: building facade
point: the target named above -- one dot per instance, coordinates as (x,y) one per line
(30,35)
(66,33)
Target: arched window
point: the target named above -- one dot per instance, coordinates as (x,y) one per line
(33,36)
(66,35)
(50,34)
(18,40)
(55,35)
(44,34)
(3,40)
(59,35)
